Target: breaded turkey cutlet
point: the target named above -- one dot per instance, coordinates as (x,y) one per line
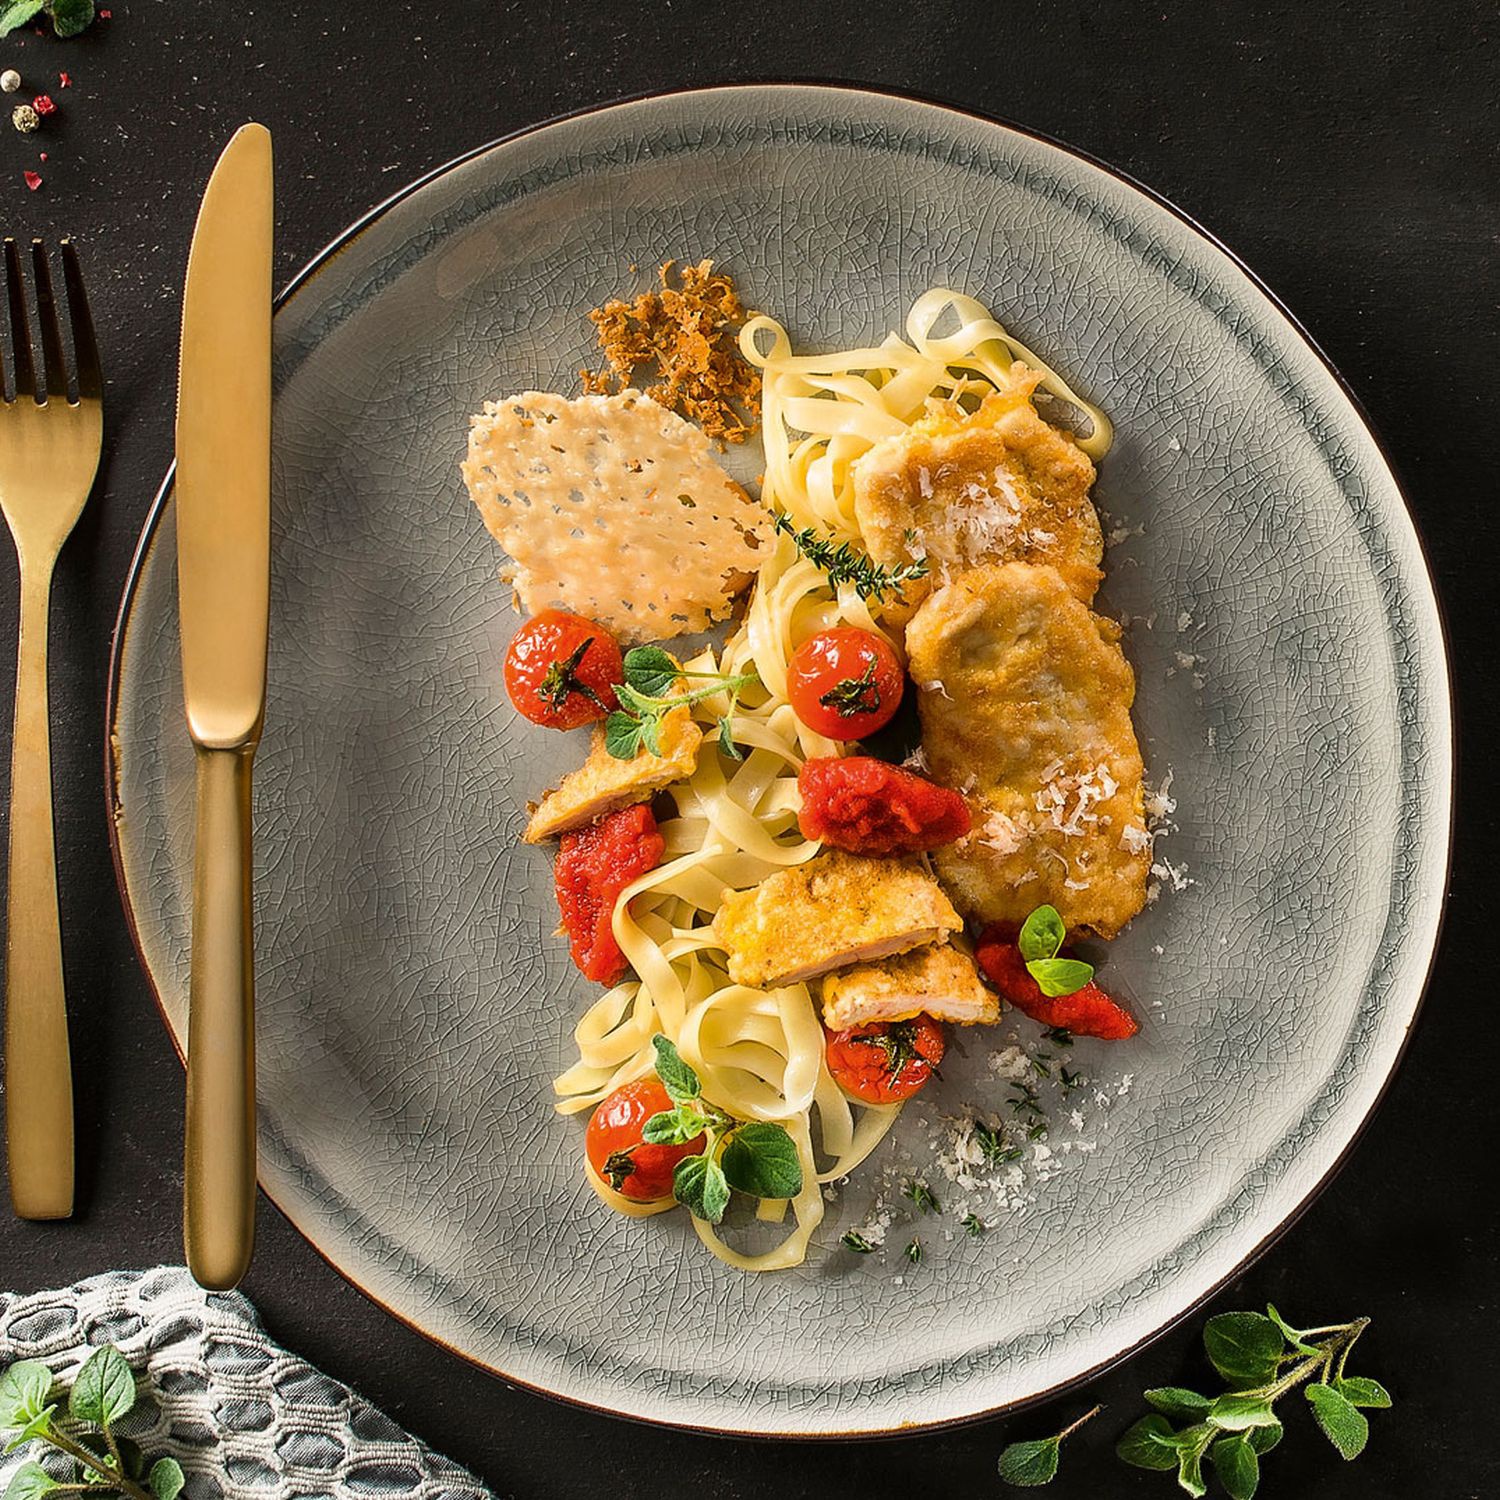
(993,486)
(835,910)
(937,979)
(1024,696)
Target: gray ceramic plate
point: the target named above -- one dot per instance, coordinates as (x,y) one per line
(413,1005)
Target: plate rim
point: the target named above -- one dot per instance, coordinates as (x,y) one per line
(1448,742)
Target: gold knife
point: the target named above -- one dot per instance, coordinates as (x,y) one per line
(223,504)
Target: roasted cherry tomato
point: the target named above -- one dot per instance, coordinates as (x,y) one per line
(868,806)
(593,866)
(561,670)
(885,1061)
(845,683)
(1086,1012)
(616,1152)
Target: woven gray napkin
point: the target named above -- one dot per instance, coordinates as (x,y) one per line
(244,1418)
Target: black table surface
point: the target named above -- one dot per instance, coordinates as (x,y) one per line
(1347,152)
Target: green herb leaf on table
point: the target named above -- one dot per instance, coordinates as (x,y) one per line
(852,1239)
(1041,934)
(69,17)
(1244,1347)
(761,1159)
(1177,1402)
(698,1183)
(38,1426)
(921,1195)
(913,1251)
(1237,1466)
(1034,1462)
(1148,1444)
(974,1224)
(679,1080)
(1343,1424)
(17,14)
(166,1479)
(24,1389)
(1060,976)
(105,1388)
(29,1481)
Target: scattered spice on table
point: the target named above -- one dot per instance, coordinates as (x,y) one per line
(33,180)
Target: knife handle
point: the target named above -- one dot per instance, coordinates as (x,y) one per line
(38,1077)
(218,1223)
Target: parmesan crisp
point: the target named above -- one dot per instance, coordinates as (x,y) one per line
(614,508)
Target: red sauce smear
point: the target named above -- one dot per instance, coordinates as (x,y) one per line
(593,866)
(867,806)
(1086,1012)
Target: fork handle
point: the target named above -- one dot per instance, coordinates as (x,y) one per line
(219,1176)
(38,1075)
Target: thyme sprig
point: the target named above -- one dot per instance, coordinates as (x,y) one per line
(842,564)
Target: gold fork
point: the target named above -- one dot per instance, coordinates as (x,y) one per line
(49,453)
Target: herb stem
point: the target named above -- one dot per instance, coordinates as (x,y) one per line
(1073,1427)
(92,1461)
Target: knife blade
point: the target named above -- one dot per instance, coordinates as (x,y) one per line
(222,498)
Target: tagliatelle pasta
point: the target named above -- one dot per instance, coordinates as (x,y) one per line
(760,1052)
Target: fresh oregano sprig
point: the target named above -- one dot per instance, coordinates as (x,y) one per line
(1034,1462)
(103,1394)
(649,693)
(68,17)
(1262,1359)
(756,1157)
(1040,938)
(842,564)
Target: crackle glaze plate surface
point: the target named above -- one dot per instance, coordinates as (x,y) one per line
(413,1004)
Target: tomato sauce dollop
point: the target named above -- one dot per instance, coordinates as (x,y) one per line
(867,806)
(593,866)
(1086,1012)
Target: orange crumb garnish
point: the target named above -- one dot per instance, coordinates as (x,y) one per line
(686,335)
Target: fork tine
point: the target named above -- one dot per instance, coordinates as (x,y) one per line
(20,328)
(85,349)
(46,315)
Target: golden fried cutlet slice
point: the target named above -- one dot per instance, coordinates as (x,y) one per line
(835,910)
(603,783)
(937,979)
(999,485)
(1025,702)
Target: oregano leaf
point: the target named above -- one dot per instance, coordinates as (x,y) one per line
(1343,1424)
(1237,1466)
(40,1425)
(1060,976)
(673,1127)
(18,14)
(1236,1412)
(726,738)
(166,1479)
(1190,1470)
(69,17)
(622,735)
(1293,1336)
(29,1482)
(1358,1391)
(1031,1463)
(105,1388)
(1244,1347)
(698,1184)
(1148,1444)
(24,1389)
(1263,1439)
(1175,1401)
(651,671)
(679,1080)
(1041,934)
(761,1159)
